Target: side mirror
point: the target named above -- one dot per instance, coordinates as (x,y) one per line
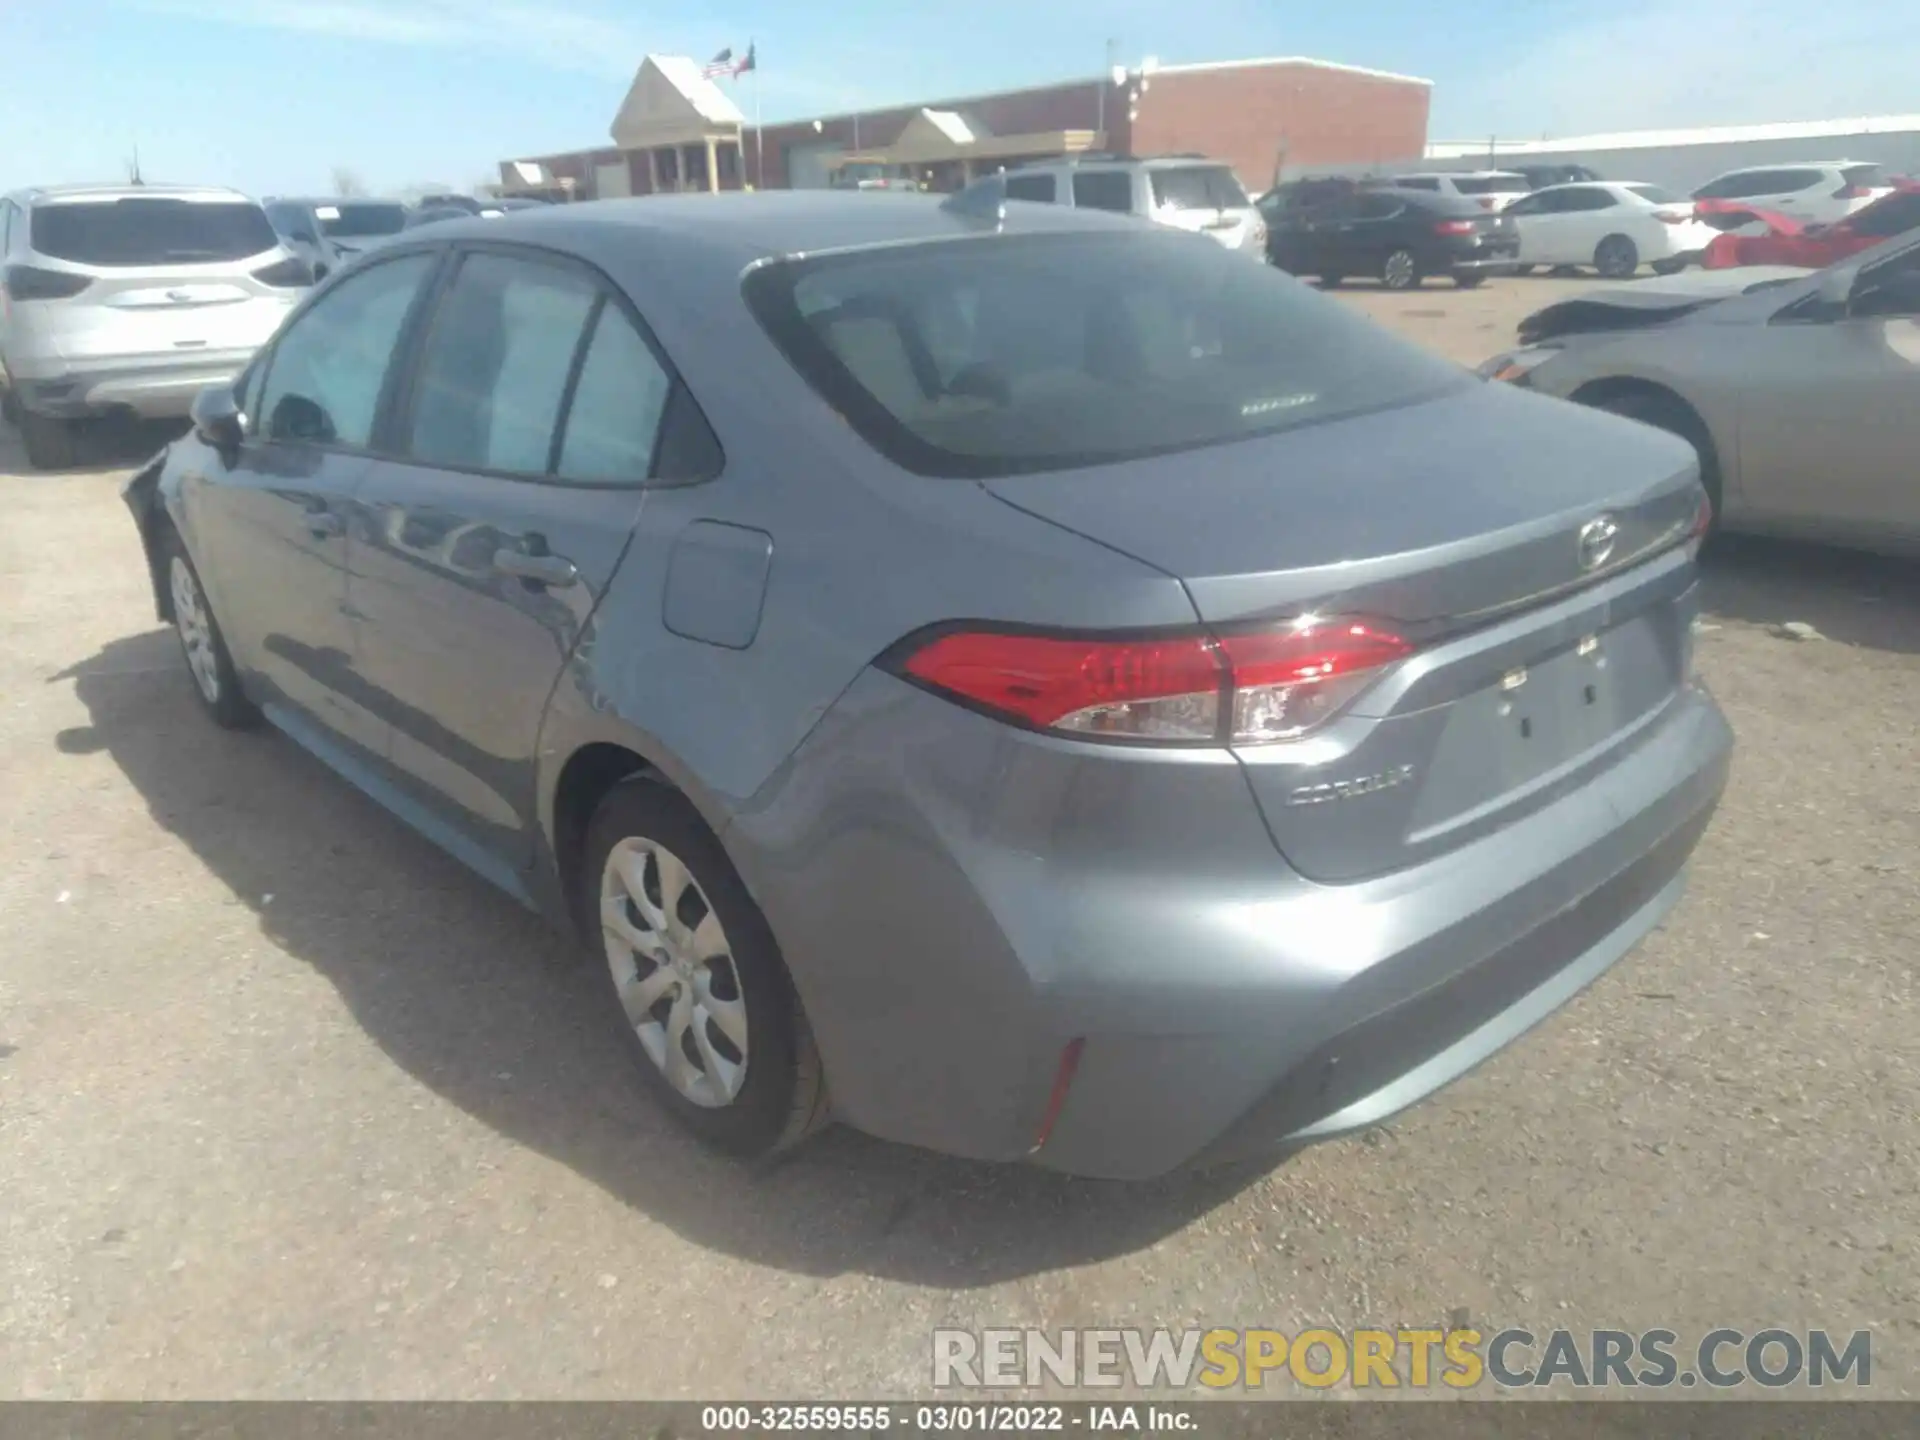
(1836,289)
(216,417)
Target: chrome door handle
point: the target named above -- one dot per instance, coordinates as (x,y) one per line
(554,570)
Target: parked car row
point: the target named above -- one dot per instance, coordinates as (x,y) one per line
(129,299)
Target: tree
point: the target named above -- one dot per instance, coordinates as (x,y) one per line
(347,182)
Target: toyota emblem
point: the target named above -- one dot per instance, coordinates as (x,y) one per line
(1595,541)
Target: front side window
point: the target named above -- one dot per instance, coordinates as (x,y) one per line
(1008,354)
(617,402)
(1589,199)
(495,366)
(326,372)
(1104,190)
(151,230)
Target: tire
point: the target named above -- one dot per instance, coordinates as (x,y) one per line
(750,1085)
(1469,282)
(49,442)
(1668,267)
(1523,269)
(1667,413)
(1616,257)
(202,646)
(1400,270)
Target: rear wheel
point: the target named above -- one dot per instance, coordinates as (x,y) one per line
(691,973)
(1616,257)
(1400,270)
(49,442)
(1669,413)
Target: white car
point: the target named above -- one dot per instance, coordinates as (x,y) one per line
(1490,189)
(1614,226)
(1817,192)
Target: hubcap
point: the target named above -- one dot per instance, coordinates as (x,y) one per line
(196,633)
(673,970)
(1399,268)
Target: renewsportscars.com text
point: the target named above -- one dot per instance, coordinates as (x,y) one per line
(1414,1358)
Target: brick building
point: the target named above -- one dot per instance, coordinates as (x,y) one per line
(677,130)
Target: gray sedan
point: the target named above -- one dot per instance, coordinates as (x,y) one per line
(1799,390)
(1018,681)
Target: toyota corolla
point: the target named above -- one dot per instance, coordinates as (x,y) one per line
(1010,679)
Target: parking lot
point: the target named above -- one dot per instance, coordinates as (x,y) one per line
(293,1106)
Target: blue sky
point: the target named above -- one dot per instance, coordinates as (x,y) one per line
(273,95)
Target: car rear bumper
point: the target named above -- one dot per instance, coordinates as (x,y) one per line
(153,388)
(963,904)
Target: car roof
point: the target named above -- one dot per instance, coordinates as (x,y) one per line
(127,191)
(736,229)
(1463,175)
(1437,200)
(1794,165)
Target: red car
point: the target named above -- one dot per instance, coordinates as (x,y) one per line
(1788,242)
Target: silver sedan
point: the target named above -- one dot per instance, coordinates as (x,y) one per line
(1800,389)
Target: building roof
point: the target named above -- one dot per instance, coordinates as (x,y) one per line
(1659,139)
(671,101)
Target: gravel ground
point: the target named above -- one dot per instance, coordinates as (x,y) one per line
(291,1106)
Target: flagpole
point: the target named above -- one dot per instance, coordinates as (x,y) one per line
(759,145)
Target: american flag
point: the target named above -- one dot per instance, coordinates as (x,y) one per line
(725,64)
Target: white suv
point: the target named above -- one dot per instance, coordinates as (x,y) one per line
(1489,189)
(1188,192)
(1817,192)
(130,299)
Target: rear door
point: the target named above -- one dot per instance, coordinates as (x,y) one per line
(520,455)
(170,275)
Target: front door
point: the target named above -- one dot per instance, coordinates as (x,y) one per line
(1830,418)
(521,453)
(270,525)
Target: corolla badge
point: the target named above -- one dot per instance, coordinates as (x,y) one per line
(1328,790)
(1594,544)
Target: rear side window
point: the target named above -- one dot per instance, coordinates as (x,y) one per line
(151,230)
(1489,184)
(1008,354)
(495,366)
(1104,190)
(1198,187)
(1030,187)
(614,418)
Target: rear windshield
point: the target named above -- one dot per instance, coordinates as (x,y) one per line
(1009,354)
(1654,194)
(1200,187)
(1490,184)
(347,222)
(150,230)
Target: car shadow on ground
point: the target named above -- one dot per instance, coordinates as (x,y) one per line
(1847,595)
(480,1002)
(109,443)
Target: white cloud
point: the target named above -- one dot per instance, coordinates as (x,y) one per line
(1664,63)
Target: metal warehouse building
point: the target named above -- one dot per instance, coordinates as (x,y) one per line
(677,130)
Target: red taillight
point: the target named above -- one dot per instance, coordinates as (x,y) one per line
(26,282)
(1245,688)
(1453,227)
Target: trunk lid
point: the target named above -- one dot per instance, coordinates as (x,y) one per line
(1535,663)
